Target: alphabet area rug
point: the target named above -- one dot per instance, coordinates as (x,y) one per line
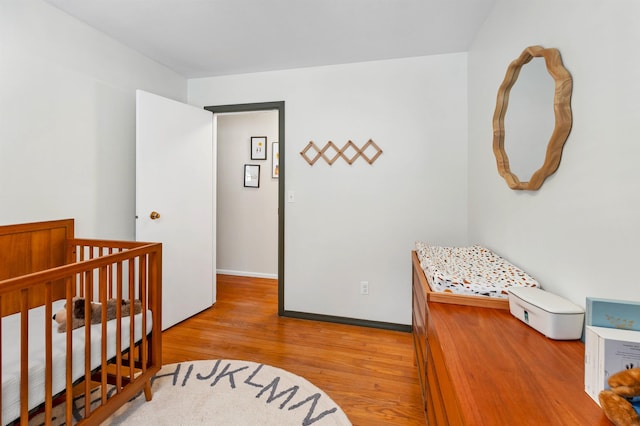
(230,392)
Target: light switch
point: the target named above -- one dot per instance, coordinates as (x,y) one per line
(291,197)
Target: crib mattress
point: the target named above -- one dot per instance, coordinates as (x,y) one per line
(11,355)
(473,270)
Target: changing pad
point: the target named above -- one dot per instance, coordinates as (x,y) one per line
(472,270)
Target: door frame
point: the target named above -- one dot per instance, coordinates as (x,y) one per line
(269,106)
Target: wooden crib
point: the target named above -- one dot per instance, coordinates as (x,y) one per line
(42,267)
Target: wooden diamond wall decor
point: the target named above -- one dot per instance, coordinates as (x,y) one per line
(344,152)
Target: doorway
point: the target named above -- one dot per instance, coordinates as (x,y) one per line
(279,107)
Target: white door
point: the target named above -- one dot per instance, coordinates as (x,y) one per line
(175,179)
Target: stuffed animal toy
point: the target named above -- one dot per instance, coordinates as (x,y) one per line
(621,404)
(78,312)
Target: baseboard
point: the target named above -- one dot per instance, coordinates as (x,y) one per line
(246,274)
(347,321)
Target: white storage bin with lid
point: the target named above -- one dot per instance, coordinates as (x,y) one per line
(550,314)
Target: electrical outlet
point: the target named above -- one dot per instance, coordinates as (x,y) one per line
(364,287)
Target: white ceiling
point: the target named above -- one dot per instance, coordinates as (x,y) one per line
(198,38)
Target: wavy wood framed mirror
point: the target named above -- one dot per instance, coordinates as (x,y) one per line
(561,86)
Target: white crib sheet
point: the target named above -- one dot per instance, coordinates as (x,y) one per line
(472,270)
(11,355)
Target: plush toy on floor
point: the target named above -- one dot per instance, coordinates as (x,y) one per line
(621,404)
(78,312)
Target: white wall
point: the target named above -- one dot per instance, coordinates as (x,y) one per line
(67,135)
(67,120)
(247,218)
(353,223)
(578,234)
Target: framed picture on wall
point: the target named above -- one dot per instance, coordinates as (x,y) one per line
(258,147)
(252,176)
(275,160)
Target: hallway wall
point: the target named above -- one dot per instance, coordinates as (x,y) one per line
(247,230)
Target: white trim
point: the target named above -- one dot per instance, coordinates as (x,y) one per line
(247,274)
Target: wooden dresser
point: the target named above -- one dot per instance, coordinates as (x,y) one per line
(481,366)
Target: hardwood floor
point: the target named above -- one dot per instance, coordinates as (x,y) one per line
(369,372)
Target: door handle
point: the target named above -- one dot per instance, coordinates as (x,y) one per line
(154,215)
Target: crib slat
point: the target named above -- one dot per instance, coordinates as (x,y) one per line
(110,274)
(69,360)
(143,298)
(155,302)
(132,295)
(88,291)
(102,285)
(48,385)
(119,328)
(24,357)
(81,256)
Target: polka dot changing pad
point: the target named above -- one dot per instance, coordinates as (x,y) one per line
(470,270)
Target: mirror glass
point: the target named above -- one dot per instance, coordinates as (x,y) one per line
(533,118)
(529,121)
